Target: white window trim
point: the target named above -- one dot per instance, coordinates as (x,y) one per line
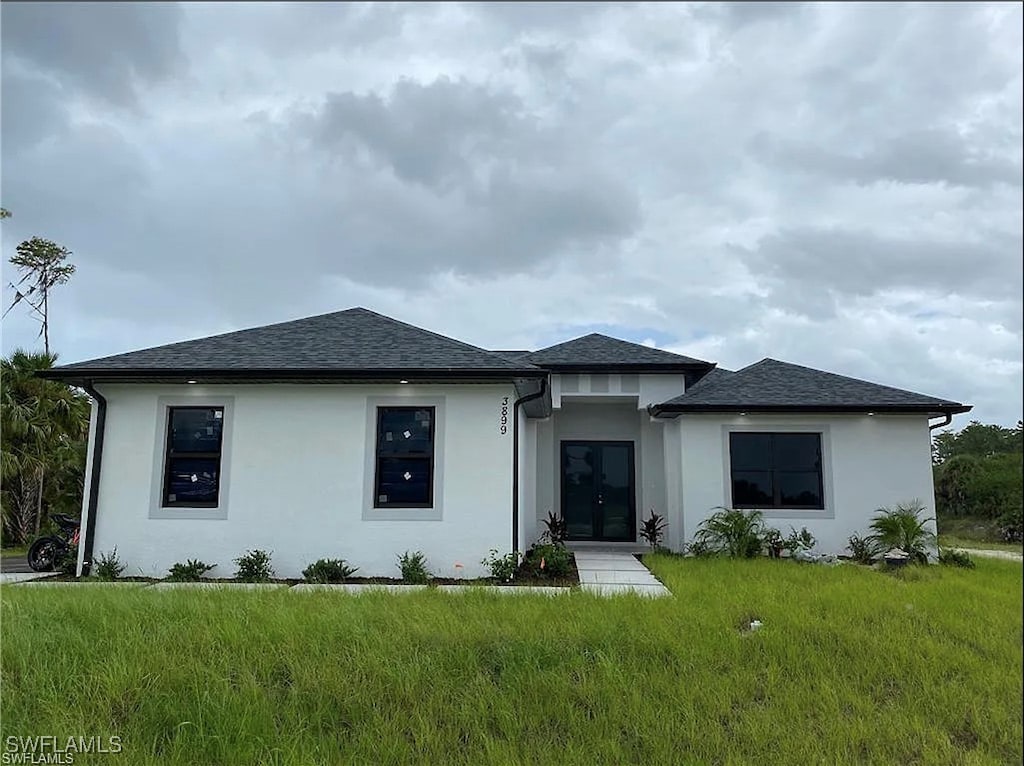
(163,404)
(434,513)
(824,430)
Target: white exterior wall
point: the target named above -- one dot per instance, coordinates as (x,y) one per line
(868,462)
(296,480)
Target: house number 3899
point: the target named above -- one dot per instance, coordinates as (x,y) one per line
(503,422)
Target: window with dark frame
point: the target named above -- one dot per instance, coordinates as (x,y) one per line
(776,470)
(192,457)
(404,469)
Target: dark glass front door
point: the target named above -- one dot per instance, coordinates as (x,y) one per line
(598,490)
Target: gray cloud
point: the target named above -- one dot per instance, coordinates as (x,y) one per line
(920,157)
(106,49)
(834,184)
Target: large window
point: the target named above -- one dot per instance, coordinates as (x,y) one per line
(192,457)
(776,470)
(404,475)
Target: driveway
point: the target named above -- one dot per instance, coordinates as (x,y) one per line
(13,563)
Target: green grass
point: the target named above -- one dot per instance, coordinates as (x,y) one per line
(851,666)
(973,532)
(952,541)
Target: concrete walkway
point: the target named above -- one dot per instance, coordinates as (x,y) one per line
(611,573)
(987,553)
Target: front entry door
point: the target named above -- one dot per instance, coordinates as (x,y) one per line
(598,490)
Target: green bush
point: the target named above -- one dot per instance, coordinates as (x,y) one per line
(414,568)
(1011,526)
(504,567)
(774,542)
(697,548)
(68,563)
(254,566)
(954,558)
(328,571)
(902,527)
(556,529)
(862,549)
(732,532)
(551,561)
(799,541)
(108,566)
(191,571)
(989,486)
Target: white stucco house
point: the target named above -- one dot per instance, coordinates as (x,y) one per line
(352,435)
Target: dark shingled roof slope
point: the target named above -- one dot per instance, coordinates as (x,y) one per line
(773,385)
(596,351)
(357,340)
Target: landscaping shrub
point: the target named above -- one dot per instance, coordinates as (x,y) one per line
(799,541)
(954,558)
(902,527)
(414,568)
(546,560)
(68,563)
(774,542)
(1011,526)
(556,529)
(732,532)
(108,566)
(862,549)
(504,567)
(328,570)
(652,529)
(254,566)
(191,571)
(697,548)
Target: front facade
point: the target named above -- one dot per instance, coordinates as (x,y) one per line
(355,436)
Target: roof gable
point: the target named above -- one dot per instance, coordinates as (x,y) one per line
(596,351)
(774,385)
(353,340)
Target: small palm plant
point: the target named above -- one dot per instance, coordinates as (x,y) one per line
(652,529)
(902,527)
(732,532)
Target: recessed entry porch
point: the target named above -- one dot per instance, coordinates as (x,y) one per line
(600,466)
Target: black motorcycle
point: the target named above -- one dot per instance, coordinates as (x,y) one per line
(46,552)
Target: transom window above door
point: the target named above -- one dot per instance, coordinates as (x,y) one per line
(776,470)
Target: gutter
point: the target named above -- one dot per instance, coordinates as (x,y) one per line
(515,457)
(94,475)
(945,422)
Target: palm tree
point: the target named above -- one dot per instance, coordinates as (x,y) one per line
(43,426)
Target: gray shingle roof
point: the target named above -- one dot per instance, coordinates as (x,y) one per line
(774,385)
(596,351)
(354,340)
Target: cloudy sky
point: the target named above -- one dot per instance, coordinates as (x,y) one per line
(835,185)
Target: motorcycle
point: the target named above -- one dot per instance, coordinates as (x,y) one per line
(46,552)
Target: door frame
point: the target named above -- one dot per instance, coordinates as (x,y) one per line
(631,444)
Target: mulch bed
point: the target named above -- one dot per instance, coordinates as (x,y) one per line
(572,579)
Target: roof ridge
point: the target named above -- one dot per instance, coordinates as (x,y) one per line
(503,360)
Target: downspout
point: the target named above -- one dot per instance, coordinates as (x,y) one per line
(94,475)
(515,457)
(946,422)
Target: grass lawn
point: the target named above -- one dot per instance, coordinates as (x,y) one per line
(952,541)
(851,666)
(971,532)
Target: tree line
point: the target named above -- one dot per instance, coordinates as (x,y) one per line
(979,473)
